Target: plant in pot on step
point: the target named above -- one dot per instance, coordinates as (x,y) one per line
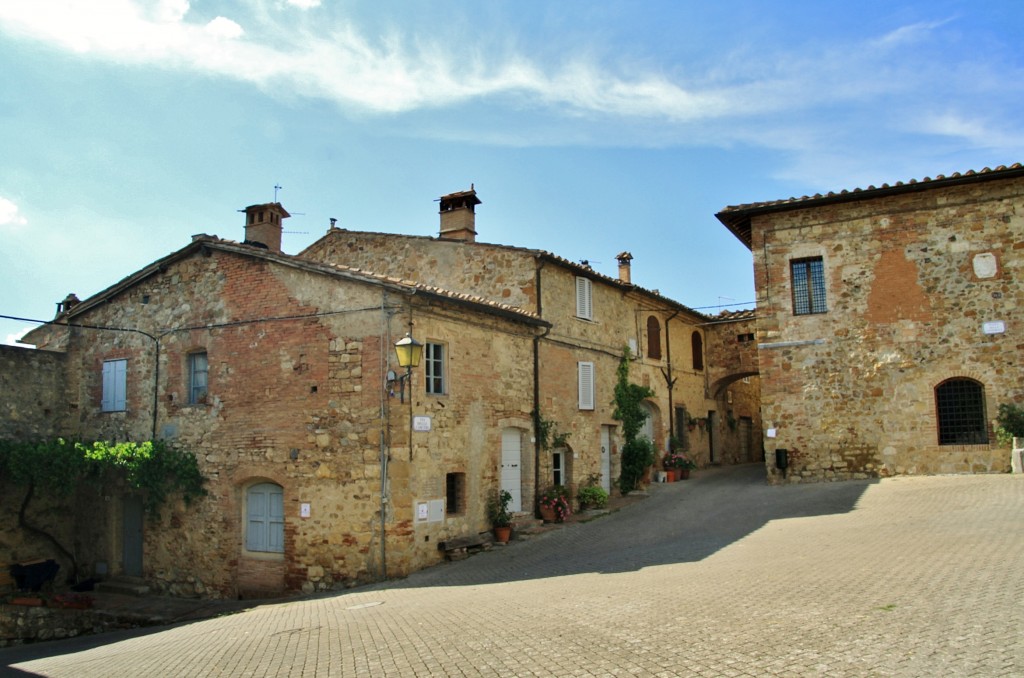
(554,504)
(498,514)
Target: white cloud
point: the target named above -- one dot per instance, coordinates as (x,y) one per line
(304,4)
(9,217)
(172,11)
(224,28)
(977,132)
(13,338)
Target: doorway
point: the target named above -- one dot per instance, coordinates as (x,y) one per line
(131,535)
(511,467)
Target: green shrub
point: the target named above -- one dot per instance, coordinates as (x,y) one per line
(592,496)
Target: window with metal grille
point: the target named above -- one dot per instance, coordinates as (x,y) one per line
(435,369)
(808,276)
(960,408)
(455,493)
(653,338)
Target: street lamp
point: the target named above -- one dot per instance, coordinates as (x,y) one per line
(409,352)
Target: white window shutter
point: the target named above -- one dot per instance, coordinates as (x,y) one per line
(107,403)
(586,385)
(584,301)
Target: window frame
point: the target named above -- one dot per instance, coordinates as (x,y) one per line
(814,282)
(557,468)
(584,298)
(270,525)
(697,350)
(197,394)
(653,337)
(114,385)
(455,493)
(435,384)
(585,387)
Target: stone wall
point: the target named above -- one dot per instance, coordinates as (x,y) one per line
(33,404)
(912,279)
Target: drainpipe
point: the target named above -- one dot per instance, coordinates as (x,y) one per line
(536,389)
(668,377)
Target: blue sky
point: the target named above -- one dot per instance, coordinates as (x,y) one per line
(588,128)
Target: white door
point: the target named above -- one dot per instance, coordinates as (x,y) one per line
(606,458)
(511,467)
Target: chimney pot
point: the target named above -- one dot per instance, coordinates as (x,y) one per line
(624,267)
(263,225)
(458,215)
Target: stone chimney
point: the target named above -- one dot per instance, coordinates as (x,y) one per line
(69,303)
(624,259)
(458,215)
(263,225)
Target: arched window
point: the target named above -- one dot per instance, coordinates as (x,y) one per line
(697,344)
(653,338)
(264,518)
(960,409)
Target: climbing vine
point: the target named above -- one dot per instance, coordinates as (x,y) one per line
(57,468)
(637,451)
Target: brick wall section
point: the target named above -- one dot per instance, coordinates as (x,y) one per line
(854,396)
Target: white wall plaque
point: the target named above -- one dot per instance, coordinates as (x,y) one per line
(985,265)
(770,433)
(993,327)
(421,423)
(422,511)
(304,510)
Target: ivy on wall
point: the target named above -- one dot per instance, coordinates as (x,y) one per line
(58,468)
(637,451)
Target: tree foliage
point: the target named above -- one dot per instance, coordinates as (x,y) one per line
(637,452)
(1010,423)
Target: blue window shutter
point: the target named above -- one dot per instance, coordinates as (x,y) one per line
(115,380)
(256,516)
(264,515)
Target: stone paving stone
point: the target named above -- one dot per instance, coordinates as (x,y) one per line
(719,576)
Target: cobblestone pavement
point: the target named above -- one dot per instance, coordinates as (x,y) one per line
(721,575)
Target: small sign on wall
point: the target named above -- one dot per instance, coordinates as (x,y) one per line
(421,423)
(304,511)
(993,327)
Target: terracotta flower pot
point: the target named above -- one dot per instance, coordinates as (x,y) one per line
(670,475)
(503,533)
(548,514)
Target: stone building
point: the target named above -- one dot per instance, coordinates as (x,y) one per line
(327,464)
(279,374)
(888,324)
(711,407)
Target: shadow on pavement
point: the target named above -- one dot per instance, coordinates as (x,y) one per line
(679,522)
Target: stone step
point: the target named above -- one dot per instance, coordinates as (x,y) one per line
(127,586)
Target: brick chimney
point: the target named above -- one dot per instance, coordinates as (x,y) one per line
(458,215)
(624,259)
(263,225)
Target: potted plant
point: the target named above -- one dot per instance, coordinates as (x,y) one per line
(554,504)
(498,514)
(684,464)
(592,496)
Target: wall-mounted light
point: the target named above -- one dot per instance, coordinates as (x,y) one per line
(409,353)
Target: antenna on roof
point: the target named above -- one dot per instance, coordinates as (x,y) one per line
(277,187)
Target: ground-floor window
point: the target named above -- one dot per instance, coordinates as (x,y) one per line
(455,493)
(960,409)
(264,517)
